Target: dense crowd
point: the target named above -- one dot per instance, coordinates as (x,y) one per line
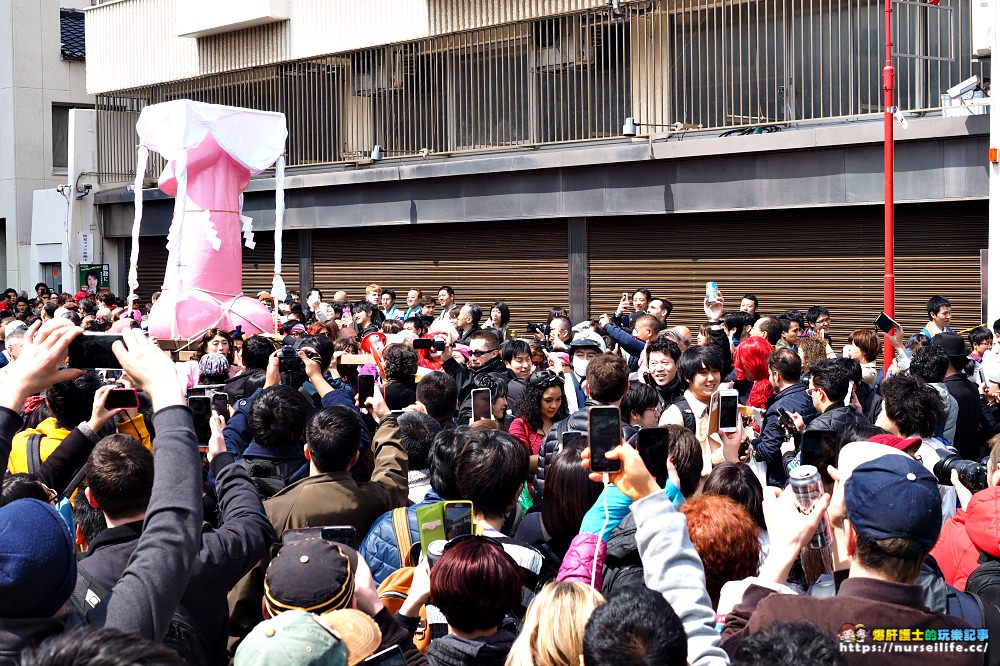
(346,499)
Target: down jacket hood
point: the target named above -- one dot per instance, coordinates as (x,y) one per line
(982,520)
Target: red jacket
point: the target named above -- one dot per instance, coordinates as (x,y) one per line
(966,535)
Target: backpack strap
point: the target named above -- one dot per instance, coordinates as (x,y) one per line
(401,528)
(33,453)
(73,484)
(88,593)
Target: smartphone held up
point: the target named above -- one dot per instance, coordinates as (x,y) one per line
(604,433)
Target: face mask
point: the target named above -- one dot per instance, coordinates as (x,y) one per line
(580,367)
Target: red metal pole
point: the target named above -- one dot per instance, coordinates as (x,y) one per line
(888,80)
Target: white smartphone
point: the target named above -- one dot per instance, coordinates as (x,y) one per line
(729,401)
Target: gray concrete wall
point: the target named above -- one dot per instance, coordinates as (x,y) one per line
(937,159)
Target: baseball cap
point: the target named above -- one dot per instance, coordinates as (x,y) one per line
(313,574)
(895,441)
(359,632)
(587,340)
(295,638)
(894,497)
(37,562)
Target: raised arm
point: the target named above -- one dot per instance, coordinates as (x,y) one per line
(150,589)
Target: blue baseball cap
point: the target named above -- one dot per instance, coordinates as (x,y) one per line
(894,497)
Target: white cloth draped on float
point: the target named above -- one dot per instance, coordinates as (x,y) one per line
(253,139)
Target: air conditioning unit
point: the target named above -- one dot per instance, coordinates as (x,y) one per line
(982,28)
(372,75)
(565,44)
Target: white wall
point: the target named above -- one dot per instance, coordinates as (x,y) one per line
(32,77)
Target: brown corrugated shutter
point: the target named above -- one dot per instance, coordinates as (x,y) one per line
(521,263)
(796,259)
(258,264)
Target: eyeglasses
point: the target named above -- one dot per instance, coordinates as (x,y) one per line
(545,378)
(479,354)
(813,390)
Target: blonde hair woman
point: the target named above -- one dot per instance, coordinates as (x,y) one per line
(552,634)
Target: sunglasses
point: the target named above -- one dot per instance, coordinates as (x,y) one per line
(479,354)
(545,378)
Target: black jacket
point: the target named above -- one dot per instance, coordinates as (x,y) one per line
(400,394)
(837,417)
(226,554)
(454,651)
(143,599)
(767,447)
(969,415)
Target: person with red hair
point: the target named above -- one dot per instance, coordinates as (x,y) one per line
(750,368)
(475,584)
(725,537)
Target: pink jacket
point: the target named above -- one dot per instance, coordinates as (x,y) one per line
(524,432)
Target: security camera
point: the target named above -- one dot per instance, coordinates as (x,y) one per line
(968,85)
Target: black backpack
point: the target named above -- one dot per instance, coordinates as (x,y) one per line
(689,420)
(183,635)
(984,584)
(270,476)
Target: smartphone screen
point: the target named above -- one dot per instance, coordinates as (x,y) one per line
(220,404)
(604,432)
(392,656)
(457,519)
(729,401)
(653,445)
(201,412)
(819,448)
(574,439)
(366,388)
(93,350)
(423,343)
(786,419)
(344,534)
(430,521)
(482,404)
(122,398)
(885,323)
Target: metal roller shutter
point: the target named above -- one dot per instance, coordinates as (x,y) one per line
(258,264)
(796,259)
(521,263)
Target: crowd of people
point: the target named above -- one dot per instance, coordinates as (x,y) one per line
(849,515)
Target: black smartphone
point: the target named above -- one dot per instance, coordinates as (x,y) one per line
(482,404)
(220,404)
(201,412)
(819,449)
(122,398)
(785,419)
(423,343)
(345,534)
(574,439)
(93,350)
(366,388)
(885,323)
(457,518)
(604,432)
(392,656)
(653,445)
(439,345)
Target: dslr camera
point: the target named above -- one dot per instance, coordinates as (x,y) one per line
(537,328)
(972,474)
(289,361)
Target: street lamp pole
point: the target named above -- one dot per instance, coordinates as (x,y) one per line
(888,85)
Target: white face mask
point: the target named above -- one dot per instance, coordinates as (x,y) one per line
(580,366)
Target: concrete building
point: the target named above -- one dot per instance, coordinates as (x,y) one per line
(548,152)
(42,79)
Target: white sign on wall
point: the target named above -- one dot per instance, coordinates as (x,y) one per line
(86,245)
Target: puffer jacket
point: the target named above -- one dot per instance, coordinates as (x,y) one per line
(380,547)
(968,533)
(550,445)
(837,417)
(767,447)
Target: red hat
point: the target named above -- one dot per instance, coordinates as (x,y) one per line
(895,441)
(79,296)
